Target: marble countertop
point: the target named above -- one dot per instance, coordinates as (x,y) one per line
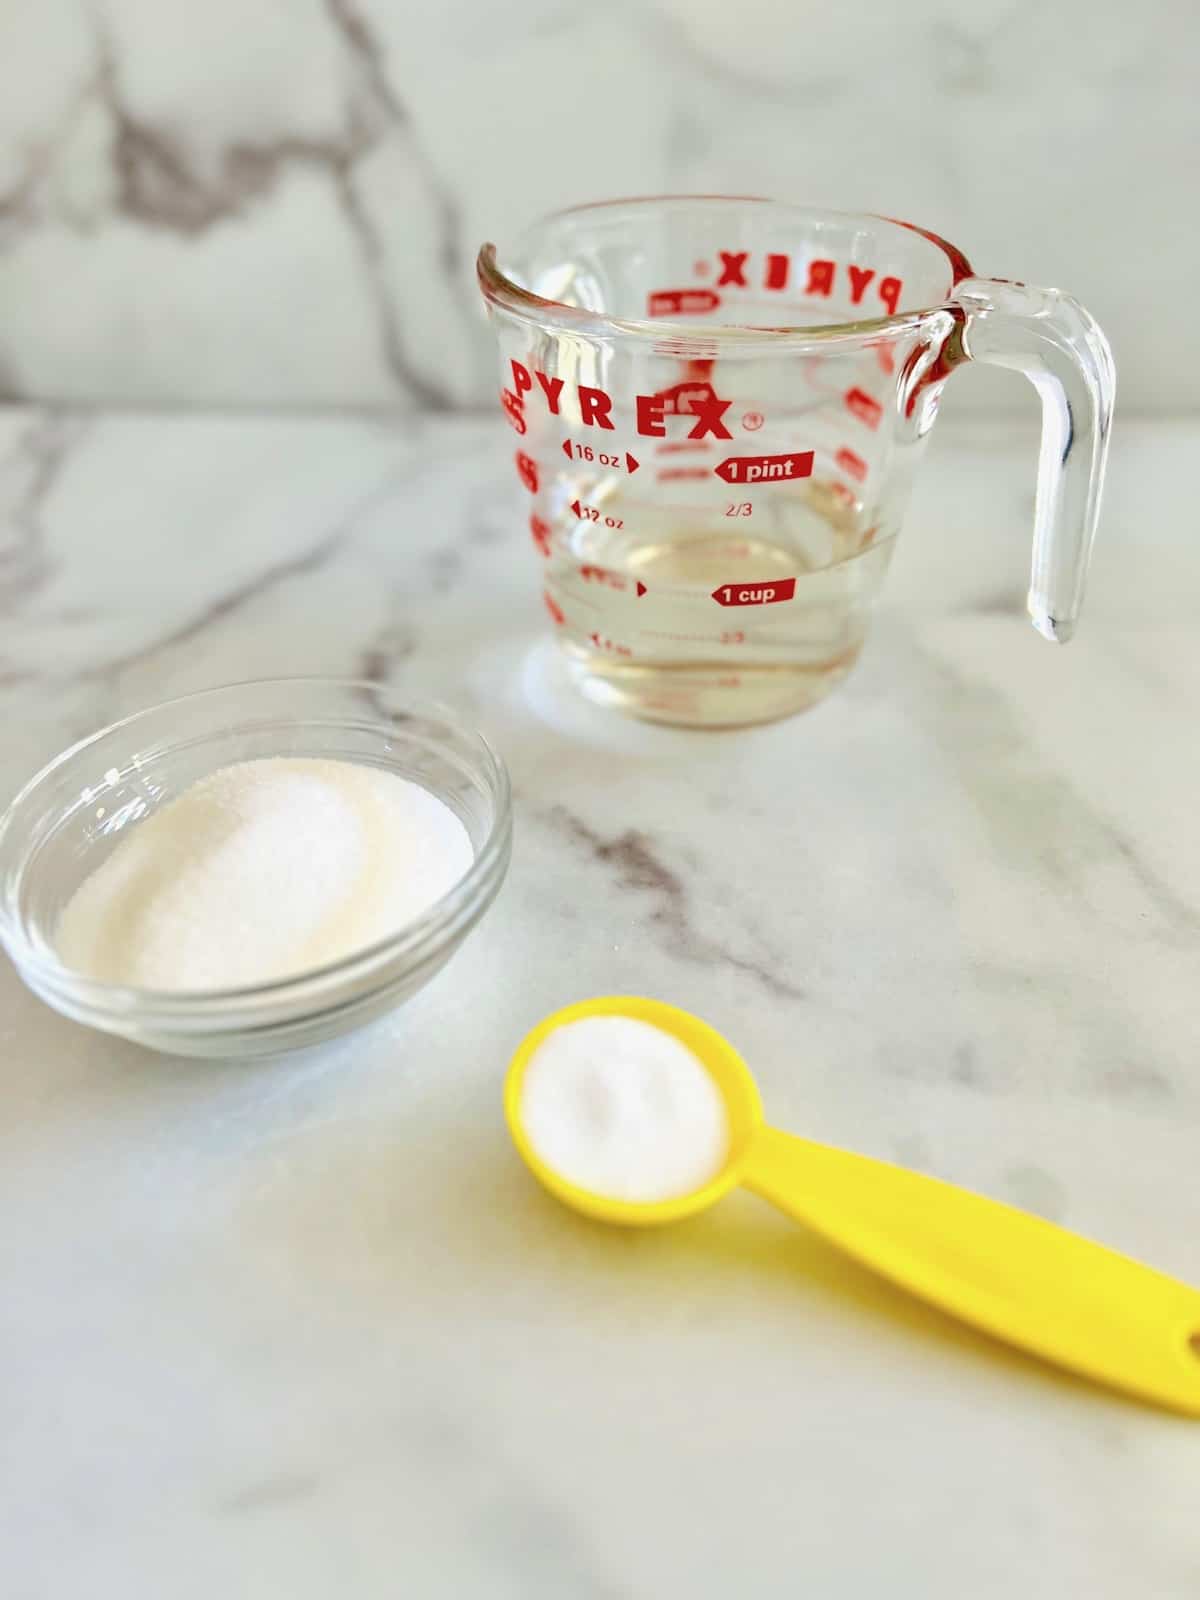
(306,1328)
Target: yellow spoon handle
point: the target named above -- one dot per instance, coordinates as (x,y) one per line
(1021,1279)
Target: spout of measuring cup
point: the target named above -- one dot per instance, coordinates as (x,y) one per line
(1063,352)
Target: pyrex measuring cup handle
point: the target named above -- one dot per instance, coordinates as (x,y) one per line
(1024,1280)
(1062,351)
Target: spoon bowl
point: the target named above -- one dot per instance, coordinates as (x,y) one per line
(733,1078)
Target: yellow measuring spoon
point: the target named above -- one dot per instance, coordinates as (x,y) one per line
(1018,1278)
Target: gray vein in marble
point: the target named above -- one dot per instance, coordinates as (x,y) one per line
(10,390)
(1135,1080)
(968,1070)
(1034,815)
(447,564)
(689,137)
(159,187)
(635,865)
(16,205)
(361,43)
(370,246)
(966,1066)
(396,643)
(815,91)
(40,454)
(528,1535)
(511,1520)
(365,49)
(281,1488)
(1114,1061)
(318,555)
(1155,887)
(966,66)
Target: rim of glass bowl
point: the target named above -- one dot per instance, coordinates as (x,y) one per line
(407,949)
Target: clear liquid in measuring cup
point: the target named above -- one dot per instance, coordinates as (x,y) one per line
(682,610)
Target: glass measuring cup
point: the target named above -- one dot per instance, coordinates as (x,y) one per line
(720,405)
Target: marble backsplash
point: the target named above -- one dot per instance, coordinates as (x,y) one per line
(279,203)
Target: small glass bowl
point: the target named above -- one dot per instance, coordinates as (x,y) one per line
(71,816)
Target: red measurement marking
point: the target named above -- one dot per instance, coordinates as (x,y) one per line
(678,702)
(527,471)
(602,643)
(765,469)
(674,474)
(851,463)
(574,451)
(678,638)
(886,359)
(679,446)
(755,594)
(610,579)
(685,302)
(864,406)
(553,608)
(513,409)
(753,421)
(594,514)
(541,533)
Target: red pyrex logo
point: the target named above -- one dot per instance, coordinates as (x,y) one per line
(595,405)
(735,270)
(680,400)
